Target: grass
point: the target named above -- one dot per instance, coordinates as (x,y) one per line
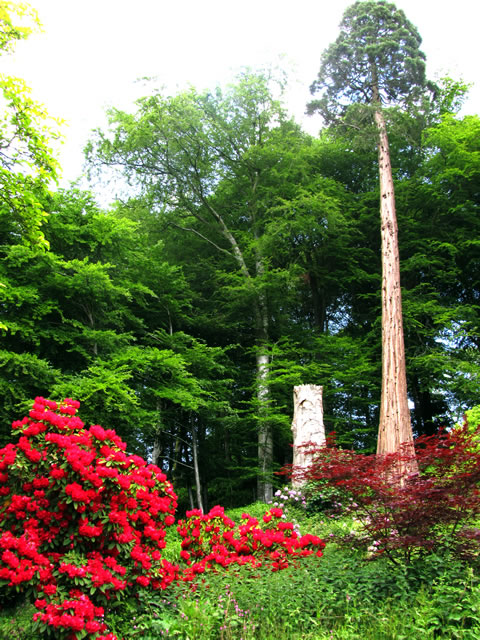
(341,596)
(16,621)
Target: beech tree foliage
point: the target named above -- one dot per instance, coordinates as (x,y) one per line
(213,164)
(27,163)
(77,318)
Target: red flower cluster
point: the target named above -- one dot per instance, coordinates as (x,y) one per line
(214,539)
(79,516)
(76,613)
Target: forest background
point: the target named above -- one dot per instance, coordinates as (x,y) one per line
(235,229)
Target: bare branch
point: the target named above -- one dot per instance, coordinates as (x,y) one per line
(203,238)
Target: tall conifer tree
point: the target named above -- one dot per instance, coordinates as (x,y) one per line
(376,62)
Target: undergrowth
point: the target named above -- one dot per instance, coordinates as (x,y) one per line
(341,596)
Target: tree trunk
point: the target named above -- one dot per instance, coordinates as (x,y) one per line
(198,484)
(190,497)
(395,426)
(307,427)
(91,322)
(157,450)
(265,437)
(157,447)
(177,452)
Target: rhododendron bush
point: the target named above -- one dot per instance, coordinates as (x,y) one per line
(83,524)
(214,539)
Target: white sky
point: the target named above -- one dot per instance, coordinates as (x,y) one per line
(92,51)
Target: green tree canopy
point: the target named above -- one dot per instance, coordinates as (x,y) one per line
(28,165)
(375,59)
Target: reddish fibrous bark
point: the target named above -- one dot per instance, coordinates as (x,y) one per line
(395,428)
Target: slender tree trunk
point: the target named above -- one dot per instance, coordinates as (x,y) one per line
(190,497)
(206,507)
(196,469)
(395,426)
(157,450)
(265,436)
(177,452)
(91,322)
(157,447)
(265,439)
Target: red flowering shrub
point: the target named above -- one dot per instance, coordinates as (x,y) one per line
(403,517)
(81,522)
(214,539)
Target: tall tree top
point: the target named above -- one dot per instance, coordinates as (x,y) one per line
(375,59)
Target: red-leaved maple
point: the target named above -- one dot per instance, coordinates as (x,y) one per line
(436,509)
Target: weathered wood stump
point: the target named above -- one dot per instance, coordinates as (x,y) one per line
(307,426)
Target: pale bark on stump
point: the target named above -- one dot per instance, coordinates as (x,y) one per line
(307,426)
(395,427)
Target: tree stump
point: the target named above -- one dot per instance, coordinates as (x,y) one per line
(307,426)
